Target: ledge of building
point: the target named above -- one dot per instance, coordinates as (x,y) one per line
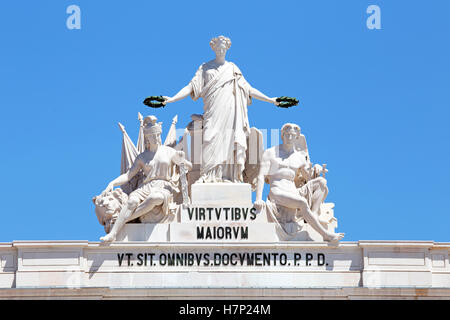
(225,293)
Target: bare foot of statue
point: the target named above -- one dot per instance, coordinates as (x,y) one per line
(334,237)
(109,237)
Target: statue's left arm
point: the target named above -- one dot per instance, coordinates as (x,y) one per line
(252,92)
(255,93)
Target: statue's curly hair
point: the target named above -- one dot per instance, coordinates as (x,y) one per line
(214,41)
(290,126)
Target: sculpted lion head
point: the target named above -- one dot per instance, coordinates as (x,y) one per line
(108,206)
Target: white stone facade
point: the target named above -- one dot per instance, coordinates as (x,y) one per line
(169,260)
(362,264)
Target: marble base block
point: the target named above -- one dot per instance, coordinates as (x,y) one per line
(221,194)
(148,232)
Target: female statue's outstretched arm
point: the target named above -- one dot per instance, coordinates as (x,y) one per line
(255,93)
(183,93)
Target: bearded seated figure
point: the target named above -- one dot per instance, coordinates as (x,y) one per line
(296,189)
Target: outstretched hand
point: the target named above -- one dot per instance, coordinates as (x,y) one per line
(167,100)
(109,188)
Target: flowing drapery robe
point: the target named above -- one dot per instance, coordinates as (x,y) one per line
(226,95)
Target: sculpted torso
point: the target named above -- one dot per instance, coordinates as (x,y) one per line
(284,167)
(145,161)
(211,69)
(156,165)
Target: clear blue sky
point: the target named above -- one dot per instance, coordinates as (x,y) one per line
(374,103)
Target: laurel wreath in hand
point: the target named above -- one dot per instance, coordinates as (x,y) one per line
(286,102)
(149,101)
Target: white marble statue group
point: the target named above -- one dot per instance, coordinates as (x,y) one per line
(154,179)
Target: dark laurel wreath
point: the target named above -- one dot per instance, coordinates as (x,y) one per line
(286,102)
(158,104)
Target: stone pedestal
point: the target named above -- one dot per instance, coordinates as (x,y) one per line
(221,194)
(222,212)
(148,232)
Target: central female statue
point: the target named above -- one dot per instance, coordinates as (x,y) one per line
(226,95)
